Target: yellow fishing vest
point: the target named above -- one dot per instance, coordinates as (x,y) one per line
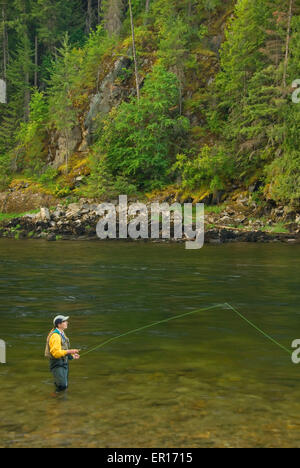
(65,344)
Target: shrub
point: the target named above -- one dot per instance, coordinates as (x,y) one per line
(138,140)
(213,167)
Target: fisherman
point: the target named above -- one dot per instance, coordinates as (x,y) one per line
(59,353)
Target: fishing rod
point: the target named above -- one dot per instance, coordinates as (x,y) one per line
(184,315)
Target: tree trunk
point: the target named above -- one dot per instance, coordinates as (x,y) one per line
(67,155)
(4,45)
(27,67)
(36,61)
(189,8)
(27,97)
(89,17)
(99,12)
(146,12)
(287,46)
(134,54)
(112,16)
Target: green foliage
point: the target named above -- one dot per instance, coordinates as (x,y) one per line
(8,216)
(5,171)
(139,140)
(30,138)
(18,89)
(212,168)
(53,18)
(49,176)
(173,45)
(61,191)
(244,124)
(253,113)
(46,20)
(211,5)
(241,54)
(38,115)
(98,43)
(103,183)
(61,112)
(283,174)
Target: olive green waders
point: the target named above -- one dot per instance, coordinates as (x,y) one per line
(59,367)
(60,371)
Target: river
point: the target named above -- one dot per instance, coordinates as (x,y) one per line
(204,380)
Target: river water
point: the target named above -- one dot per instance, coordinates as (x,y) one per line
(204,380)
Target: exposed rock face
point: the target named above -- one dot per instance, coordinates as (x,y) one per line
(107,97)
(19,201)
(81,136)
(61,146)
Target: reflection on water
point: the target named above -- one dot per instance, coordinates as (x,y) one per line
(203,380)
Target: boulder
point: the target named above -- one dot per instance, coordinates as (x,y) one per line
(58,213)
(45,214)
(73,210)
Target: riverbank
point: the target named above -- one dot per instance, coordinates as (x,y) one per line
(234,221)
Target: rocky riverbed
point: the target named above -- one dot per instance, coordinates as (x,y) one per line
(231,222)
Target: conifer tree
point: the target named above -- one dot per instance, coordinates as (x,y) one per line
(254,112)
(19,75)
(62,112)
(4,39)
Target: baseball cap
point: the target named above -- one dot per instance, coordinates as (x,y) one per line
(60,318)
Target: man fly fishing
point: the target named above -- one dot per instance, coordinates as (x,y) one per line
(59,353)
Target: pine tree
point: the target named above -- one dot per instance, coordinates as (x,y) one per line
(4,39)
(52,19)
(61,109)
(19,76)
(139,141)
(173,48)
(287,45)
(283,173)
(241,56)
(253,109)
